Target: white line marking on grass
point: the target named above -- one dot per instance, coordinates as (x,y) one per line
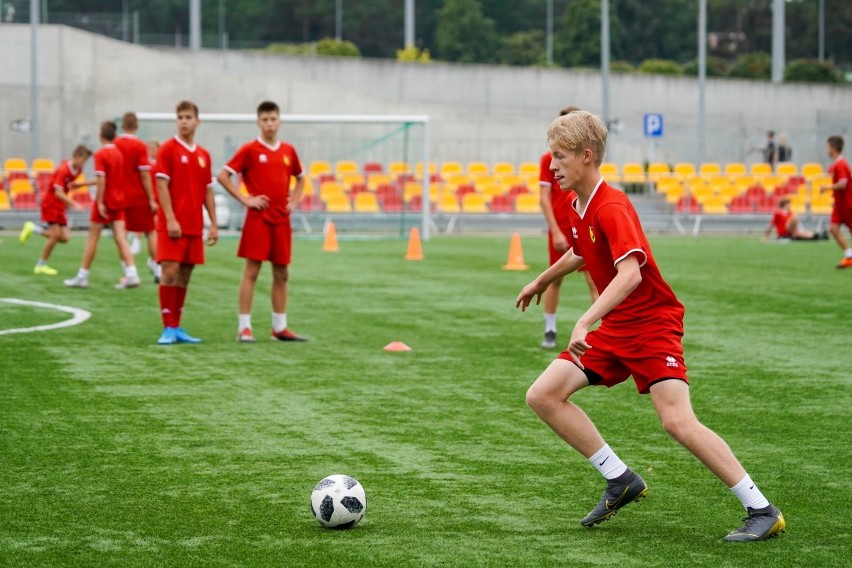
(79,316)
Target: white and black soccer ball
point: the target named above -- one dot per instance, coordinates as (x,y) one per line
(338,502)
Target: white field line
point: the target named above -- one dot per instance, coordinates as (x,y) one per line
(79,316)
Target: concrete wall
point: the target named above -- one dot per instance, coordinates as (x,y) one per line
(477,112)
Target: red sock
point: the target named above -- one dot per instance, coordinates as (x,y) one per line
(167,305)
(180,300)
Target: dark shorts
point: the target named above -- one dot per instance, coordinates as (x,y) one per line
(261,241)
(649,357)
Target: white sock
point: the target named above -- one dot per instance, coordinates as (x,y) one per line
(83,273)
(606,462)
(152,265)
(243,322)
(41,262)
(749,495)
(279,322)
(38,229)
(130,271)
(550,323)
(848,253)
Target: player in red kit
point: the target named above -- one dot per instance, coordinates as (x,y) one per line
(108,210)
(640,335)
(555,205)
(786,224)
(54,205)
(266,166)
(184,186)
(140,203)
(841,184)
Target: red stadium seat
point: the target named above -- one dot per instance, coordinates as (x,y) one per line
(26,201)
(373,168)
(503,203)
(390,202)
(687,204)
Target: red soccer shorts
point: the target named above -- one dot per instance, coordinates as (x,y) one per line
(185,250)
(139,219)
(265,241)
(649,356)
(112,215)
(841,216)
(54,215)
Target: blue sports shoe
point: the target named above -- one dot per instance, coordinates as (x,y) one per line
(181,336)
(168,337)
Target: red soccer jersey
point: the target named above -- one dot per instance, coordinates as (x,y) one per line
(135,155)
(780,219)
(187,170)
(607,232)
(110,165)
(560,200)
(840,170)
(62,178)
(266,170)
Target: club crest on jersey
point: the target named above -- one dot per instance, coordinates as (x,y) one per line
(201,162)
(592,233)
(671,361)
(574,232)
(263,159)
(287,161)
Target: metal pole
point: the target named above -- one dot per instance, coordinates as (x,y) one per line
(338,20)
(425,200)
(702,78)
(221,24)
(135,26)
(778,7)
(125,21)
(34,20)
(605,59)
(821,30)
(409,24)
(550,32)
(194,25)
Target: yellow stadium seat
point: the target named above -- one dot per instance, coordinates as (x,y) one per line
(770,183)
(4,201)
(811,170)
(761,169)
(433,169)
(503,169)
(474,203)
(714,205)
(822,204)
(709,169)
(243,189)
(338,203)
(819,182)
(702,192)
(735,169)
(350,179)
(609,171)
(786,169)
(798,203)
(377,180)
(658,171)
(448,168)
(411,189)
(19,186)
(729,190)
(346,167)
(527,203)
(397,168)
(15,165)
(331,189)
(449,203)
(319,167)
(745,182)
(633,172)
(684,170)
(528,168)
(664,185)
(674,192)
(477,168)
(489,190)
(366,202)
(43,165)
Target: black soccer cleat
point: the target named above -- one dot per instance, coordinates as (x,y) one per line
(759,525)
(624,489)
(549,341)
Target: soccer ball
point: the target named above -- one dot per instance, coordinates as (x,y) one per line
(338,502)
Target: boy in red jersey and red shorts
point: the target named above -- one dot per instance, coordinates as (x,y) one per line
(184,186)
(640,335)
(555,205)
(266,166)
(54,205)
(786,224)
(107,211)
(841,212)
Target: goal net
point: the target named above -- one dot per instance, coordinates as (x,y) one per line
(363,172)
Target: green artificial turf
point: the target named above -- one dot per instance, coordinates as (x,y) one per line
(115,451)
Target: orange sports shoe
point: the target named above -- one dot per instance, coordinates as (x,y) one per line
(286,335)
(845,263)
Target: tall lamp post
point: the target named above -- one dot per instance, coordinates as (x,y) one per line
(34,21)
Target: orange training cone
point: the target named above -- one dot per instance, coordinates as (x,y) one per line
(396,346)
(330,243)
(415,251)
(516,255)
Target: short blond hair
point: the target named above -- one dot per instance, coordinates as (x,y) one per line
(576,132)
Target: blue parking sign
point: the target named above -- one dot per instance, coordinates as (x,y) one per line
(653,125)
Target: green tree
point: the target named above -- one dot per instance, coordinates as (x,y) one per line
(716,67)
(524,48)
(757,65)
(660,67)
(464,34)
(812,71)
(578,43)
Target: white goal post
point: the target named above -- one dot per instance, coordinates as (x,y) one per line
(165,129)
